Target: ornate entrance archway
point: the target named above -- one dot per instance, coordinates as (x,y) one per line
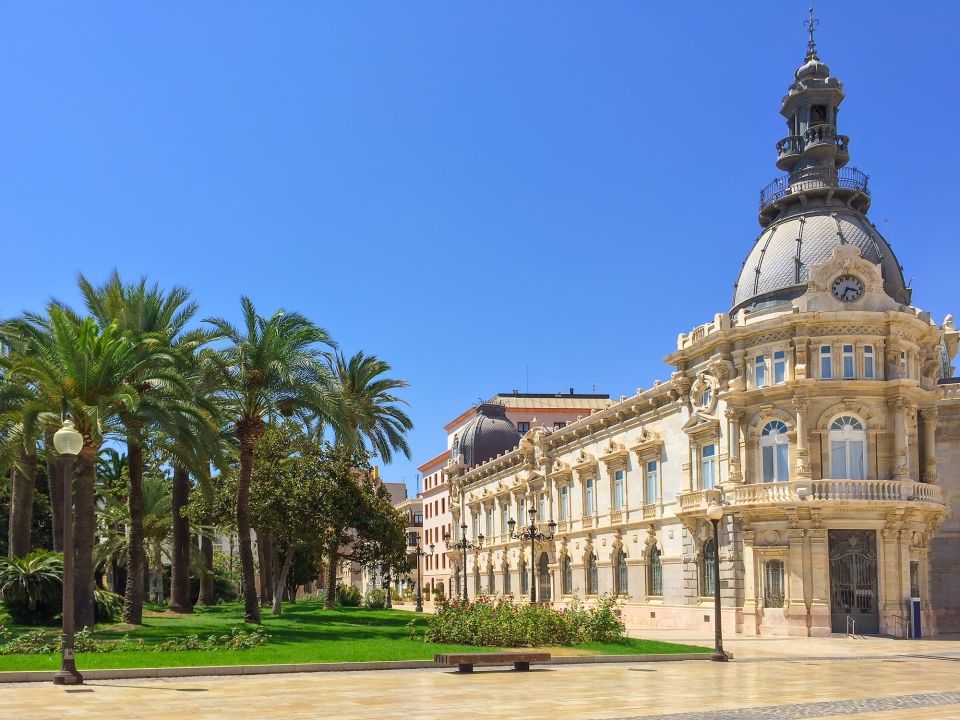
(853,581)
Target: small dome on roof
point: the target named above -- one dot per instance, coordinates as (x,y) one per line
(488,434)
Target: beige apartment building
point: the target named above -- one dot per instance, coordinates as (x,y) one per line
(821,410)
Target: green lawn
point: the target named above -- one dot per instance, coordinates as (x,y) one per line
(305,633)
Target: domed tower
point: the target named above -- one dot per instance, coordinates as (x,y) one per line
(818,205)
(487,435)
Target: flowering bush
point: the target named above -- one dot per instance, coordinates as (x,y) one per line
(500,622)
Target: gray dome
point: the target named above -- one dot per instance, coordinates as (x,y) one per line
(487,435)
(777,267)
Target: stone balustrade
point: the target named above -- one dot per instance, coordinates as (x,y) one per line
(806,491)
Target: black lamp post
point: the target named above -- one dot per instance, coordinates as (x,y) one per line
(464,545)
(419,552)
(68,443)
(714,515)
(533,534)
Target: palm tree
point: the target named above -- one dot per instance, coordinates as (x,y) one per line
(270,366)
(84,371)
(18,453)
(153,318)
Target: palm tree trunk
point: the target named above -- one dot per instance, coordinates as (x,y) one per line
(333,554)
(206,596)
(263,567)
(180,550)
(55,483)
(133,597)
(84,534)
(24,485)
(251,607)
(282,580)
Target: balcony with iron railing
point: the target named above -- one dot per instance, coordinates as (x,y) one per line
(813,179)
(792,146)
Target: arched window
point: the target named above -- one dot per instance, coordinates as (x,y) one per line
(524,578)
(506,580)
(773,584)
(592,576)
(655,573)
(620,583)
(708,568)
(567,588)
(848,443)
(775,452)
(543,578)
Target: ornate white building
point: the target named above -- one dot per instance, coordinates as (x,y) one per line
(820,410)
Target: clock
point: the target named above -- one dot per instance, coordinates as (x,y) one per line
(847,288)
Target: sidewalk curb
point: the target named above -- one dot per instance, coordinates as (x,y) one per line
(15,676)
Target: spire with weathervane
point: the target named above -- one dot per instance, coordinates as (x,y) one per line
(813,154)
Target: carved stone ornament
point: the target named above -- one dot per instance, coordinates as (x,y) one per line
(845,261)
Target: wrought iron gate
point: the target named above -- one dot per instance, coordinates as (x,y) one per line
(853,580)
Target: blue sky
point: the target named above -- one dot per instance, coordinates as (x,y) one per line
(466,190)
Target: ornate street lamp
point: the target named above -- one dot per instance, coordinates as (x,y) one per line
(419,552)
(533,534)
(68,443)
(464,545)
(715,515)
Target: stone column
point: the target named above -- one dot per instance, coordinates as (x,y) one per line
(802,469)
(733,415)
(751,616)
(929,416)
(795,610)
(820,622)
(901,468)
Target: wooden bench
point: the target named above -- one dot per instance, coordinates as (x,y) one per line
(466,661)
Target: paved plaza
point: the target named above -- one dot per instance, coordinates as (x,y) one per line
(871,679)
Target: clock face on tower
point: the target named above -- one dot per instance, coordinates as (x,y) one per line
(847,288)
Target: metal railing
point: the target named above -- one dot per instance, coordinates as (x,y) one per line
(851,627)
(812,178)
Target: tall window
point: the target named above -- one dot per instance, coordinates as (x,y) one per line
(848,441)
(826,362)
(760,371)
(868,366)
(542,508)
(490,521)
(565,503)
(524,578)
(620,582)
(708,466)
(779,367)
(567,583)
(543,578)
(655,573)
(708,569)
(706,397)
(504,518)
(590,504)
(506,580)
(773,584)
(522,518)
(591,570)
(475,518)
(618,501)
(651,488)
(849,362)
(774,451)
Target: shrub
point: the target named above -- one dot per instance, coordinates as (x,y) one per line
(107,605)
(502,623)
(376,599)
(31,587)
(348,596)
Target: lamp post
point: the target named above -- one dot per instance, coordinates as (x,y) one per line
(464,545)
(420,552)
(68,443)
(714,515)
(533,534)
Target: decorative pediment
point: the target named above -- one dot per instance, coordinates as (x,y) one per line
(585,462)
(649,444)
(561,471)
(701,426)
(615,454)
(843,263)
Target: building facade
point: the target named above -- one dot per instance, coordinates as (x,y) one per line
(820,410)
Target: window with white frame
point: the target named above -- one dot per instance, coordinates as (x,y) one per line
(565,502)
(654,573)
(760,371)
(849,362)
(775,452)
(589,499)
(706,397)
(779,367)
(773,585)
(618,490)
(504,518)
(476,523)
(869,368)
(523,427)
(651,484)
(708,466)
(522,511)
(826,362)
(542,508)
(848,444)
(490,522)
